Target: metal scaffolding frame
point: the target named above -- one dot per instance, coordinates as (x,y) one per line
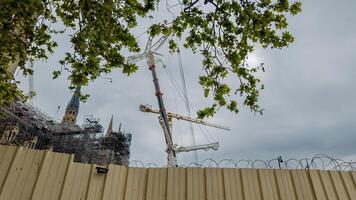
(25,125)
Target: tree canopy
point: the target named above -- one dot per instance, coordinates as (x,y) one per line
(224,32)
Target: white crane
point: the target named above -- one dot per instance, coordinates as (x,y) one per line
(214,146)
(164,118)
(147,108)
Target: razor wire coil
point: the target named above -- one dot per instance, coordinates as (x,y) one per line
(319,161)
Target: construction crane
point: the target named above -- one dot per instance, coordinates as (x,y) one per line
(214,146)
(148,54)
(165,119)
(148,108)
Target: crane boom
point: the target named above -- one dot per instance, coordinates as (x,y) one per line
(146,108)
(215,146)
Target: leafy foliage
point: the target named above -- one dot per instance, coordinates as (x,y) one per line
(21,39)
(224,32)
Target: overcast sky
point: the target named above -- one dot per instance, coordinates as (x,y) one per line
(309,96)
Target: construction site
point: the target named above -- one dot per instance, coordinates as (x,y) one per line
(301,149)
(22,124)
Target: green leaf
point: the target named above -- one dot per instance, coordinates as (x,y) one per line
(223,32)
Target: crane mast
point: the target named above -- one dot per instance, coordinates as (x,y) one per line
(148,54)
(163,119)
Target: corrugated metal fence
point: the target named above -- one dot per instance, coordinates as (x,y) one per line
(33,174)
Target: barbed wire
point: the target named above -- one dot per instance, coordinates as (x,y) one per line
(319,161)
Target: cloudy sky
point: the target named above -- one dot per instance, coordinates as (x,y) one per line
(309,100)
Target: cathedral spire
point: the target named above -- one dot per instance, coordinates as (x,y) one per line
(72,109)
(109,131)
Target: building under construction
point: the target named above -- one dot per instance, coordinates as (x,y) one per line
(24,125)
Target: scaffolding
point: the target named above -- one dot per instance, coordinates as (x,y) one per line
(25,125)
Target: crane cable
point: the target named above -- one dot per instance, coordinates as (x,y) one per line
(174,82)
(186,100)
(180,157)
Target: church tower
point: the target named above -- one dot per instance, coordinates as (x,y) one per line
(109,131)
(72,109)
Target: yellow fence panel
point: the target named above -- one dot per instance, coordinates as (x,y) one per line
(45,175)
